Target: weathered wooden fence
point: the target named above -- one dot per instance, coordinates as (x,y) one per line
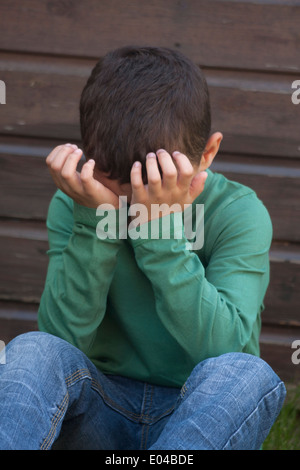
(249,51)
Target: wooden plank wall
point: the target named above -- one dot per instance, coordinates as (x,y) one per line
(249,51)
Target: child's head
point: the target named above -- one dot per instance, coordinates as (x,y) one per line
(140,99)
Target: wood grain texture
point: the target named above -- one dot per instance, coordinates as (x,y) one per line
(26,187)
(265,33)
(24,263)
(16,318)
(275,343)
(276,349)
(276,185)
(254,111)
(23,246)
(249,52)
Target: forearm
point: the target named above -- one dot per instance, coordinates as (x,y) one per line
(201,316)
(74,299)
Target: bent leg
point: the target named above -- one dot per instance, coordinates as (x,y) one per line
(44,378)
(229,402)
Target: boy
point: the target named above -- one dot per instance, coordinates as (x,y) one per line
(144,343)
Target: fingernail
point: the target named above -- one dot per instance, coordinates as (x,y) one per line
(137,164)
(91,161)
(151,155)
(77,151)
(176,153)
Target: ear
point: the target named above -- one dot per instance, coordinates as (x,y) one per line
(211,150)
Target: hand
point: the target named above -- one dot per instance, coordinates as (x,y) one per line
(82,187)
(180,184)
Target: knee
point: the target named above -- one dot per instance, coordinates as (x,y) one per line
(249,368)
(238,365)
(36,347)
(238,371)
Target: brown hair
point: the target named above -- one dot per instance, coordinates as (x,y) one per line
(140,99)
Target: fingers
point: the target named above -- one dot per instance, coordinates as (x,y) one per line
(62,163)
(58,153)
(153,174)
(82,187)
(169,170)
(185,169)
(68,173)
(197,184)
(87,177)
(187,179)
(177,172)
(138,188)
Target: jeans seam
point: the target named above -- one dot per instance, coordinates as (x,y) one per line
(144,437)
(70,380)
(135,417)
(55,420)
(111,402)
(183,390)
(252,412)
(76,375)
(143,414)
(81,373)
(144,402)
(95,384)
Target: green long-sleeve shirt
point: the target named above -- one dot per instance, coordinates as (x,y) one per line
(151,309)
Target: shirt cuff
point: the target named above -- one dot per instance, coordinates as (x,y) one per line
(85,215)
(109,224)
(168,227)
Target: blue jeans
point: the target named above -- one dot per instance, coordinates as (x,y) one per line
(53,397)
